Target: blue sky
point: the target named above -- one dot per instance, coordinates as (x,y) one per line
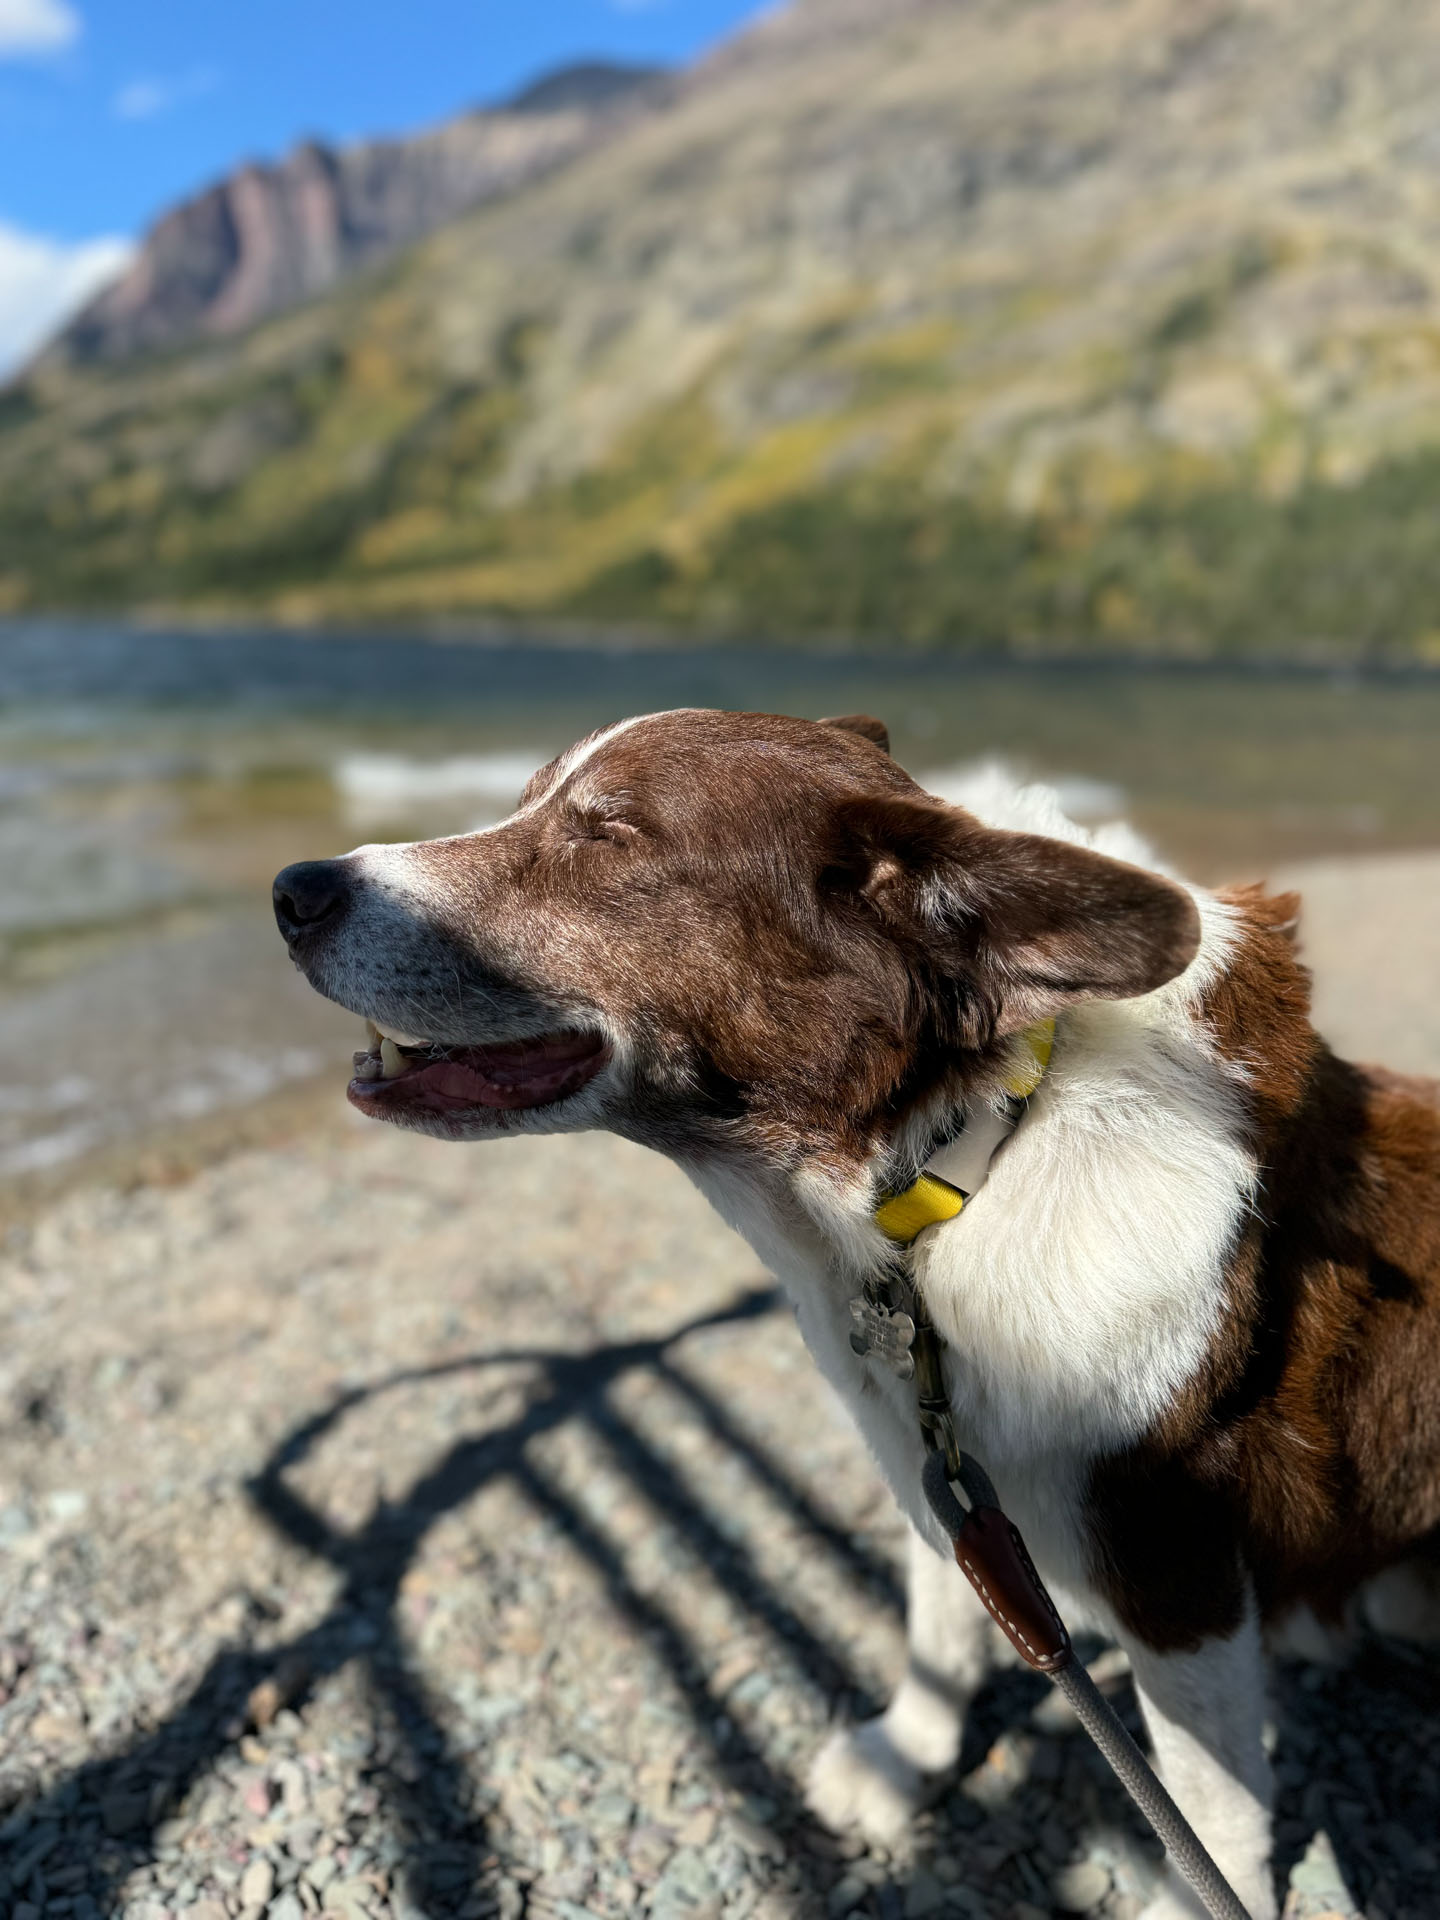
(111,109)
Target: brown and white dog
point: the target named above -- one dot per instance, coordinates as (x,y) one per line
(1192,1321)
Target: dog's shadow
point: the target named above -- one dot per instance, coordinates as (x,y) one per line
(1358,1765)
(999,1839)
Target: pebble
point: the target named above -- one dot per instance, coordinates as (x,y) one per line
(319,1873)
(925,1895)
(1319,1882)
(351,1898)
(687,1879)
(1079,1888)
(509,1900)
(533,1725)
(846,1894)
(257,1883)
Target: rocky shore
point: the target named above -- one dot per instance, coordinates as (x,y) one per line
(389,1529)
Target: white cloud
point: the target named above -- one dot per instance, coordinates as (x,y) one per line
(43,281)
(143,99)
(37,26)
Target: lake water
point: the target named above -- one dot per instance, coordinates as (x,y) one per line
(151,783)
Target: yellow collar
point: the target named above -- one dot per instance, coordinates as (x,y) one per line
(903,1217)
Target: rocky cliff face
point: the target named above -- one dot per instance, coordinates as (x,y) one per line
(268,237)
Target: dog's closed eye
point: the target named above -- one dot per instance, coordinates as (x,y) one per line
(602,822)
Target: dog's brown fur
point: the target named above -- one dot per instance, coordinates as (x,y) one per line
(1308,1453)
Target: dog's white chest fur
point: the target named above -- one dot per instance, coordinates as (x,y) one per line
(1080,1289)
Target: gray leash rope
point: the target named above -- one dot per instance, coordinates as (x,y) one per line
(1092,1709)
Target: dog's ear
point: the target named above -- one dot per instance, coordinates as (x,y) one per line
(1023,924)
(862,724)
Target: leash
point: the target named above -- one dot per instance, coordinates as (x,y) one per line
(994,1559)
(987,1545)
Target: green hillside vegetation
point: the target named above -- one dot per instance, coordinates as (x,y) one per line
(1049,324)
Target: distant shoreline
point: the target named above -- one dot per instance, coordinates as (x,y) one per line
(593,638)
(170,1155)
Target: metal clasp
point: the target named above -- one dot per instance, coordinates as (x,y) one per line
(932,1400)
(884,1332)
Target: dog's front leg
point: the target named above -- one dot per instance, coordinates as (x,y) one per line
(873,1778)
(1205,1712)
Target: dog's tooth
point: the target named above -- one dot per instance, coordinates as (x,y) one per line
(372,1036)
(368,1066)
(401,1039)
(391,1058)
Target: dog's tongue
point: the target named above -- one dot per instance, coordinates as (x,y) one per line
(529,1073)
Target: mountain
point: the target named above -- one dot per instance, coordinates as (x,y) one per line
(1048,324)
(267,237)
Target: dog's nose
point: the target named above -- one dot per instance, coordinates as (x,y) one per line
(308,895)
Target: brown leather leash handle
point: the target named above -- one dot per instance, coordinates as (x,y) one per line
(995,1560)
(997,1563)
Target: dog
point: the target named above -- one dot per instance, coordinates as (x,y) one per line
(1190,1322)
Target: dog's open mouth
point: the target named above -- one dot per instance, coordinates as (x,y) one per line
(397,1074)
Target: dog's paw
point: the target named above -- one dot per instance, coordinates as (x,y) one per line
(861,1783)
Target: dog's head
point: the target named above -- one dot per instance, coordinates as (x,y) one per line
(707,929)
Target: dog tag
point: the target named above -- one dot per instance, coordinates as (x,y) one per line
(887,1334)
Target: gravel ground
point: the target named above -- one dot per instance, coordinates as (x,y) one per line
(392,1529)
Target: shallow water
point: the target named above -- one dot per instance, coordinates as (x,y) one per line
(152,782)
